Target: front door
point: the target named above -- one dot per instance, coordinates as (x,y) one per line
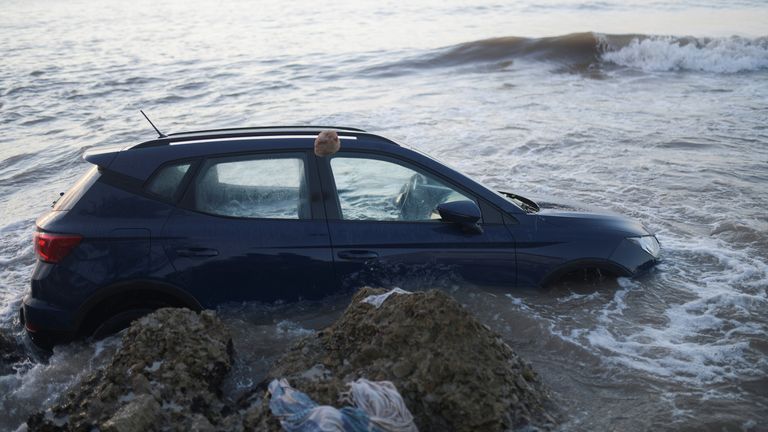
(385,230)
(247,230)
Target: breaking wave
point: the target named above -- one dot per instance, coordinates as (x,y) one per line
(666,53)
(594,50)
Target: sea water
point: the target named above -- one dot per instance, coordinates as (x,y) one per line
(655,110)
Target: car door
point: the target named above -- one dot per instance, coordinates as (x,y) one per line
(385,230)
(248,229)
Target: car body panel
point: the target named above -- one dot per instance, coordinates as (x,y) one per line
(134,241)
(221,259)
(410,251)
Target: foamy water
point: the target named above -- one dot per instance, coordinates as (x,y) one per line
(649,109)
(720,55)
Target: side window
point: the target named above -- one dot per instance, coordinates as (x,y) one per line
(165,183)
(271,187)
(372,189)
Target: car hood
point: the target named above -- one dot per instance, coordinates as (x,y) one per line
(601,221)
(561,212)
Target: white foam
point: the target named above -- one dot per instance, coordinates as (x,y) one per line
(701,339)
(517,301)
(665,53)
(40,386)
(292,329)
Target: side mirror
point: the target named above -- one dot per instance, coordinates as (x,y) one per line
(464,213)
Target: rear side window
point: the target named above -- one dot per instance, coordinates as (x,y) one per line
(166,181)
(272,187)
(69,199)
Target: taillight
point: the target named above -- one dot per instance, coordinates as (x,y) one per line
(53,248)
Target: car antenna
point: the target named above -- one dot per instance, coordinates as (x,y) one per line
(159,134)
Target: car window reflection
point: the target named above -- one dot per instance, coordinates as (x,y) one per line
(372,189)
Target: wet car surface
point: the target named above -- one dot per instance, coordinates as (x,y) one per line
(198,219)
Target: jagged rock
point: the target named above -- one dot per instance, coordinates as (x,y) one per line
(454,373)
(165,376)
(138,415)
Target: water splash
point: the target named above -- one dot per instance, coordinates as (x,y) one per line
(667,53)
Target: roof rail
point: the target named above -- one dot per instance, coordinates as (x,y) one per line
(237,133)
(267,127)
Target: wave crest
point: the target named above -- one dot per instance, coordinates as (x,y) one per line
(667,53)
(591,51)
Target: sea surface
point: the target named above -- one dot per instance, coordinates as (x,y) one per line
(653,109)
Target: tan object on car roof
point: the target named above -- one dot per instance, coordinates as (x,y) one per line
(327,143)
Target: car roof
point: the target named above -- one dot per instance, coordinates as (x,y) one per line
(141,159)
(246,132)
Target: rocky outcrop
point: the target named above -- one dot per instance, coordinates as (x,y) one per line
(165,376)
(454,373)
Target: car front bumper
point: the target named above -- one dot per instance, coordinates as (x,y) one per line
(633,257)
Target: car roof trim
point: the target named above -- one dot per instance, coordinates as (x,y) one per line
(246,133)
(254,138)
(262,128)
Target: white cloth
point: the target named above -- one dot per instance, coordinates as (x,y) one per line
(377,300)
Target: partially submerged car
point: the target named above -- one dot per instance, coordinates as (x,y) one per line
(197,219)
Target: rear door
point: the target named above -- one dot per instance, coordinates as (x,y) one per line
(252,228)
(385,230)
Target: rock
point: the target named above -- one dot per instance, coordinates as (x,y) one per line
(454,373)
(165,376)
(138,415)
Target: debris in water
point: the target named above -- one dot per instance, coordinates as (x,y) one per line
(377,300)
(377,407)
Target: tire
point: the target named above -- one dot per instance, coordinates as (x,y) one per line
(119,322)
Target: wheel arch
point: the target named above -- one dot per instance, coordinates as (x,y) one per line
(125,294)
(590,263)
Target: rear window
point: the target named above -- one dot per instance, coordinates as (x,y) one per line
(73,195)
(166,181)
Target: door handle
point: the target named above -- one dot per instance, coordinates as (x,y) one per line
(197,252)
(358,255)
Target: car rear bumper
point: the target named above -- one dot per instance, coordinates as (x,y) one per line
(45,324)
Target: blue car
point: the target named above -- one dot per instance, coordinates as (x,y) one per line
(197,219)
